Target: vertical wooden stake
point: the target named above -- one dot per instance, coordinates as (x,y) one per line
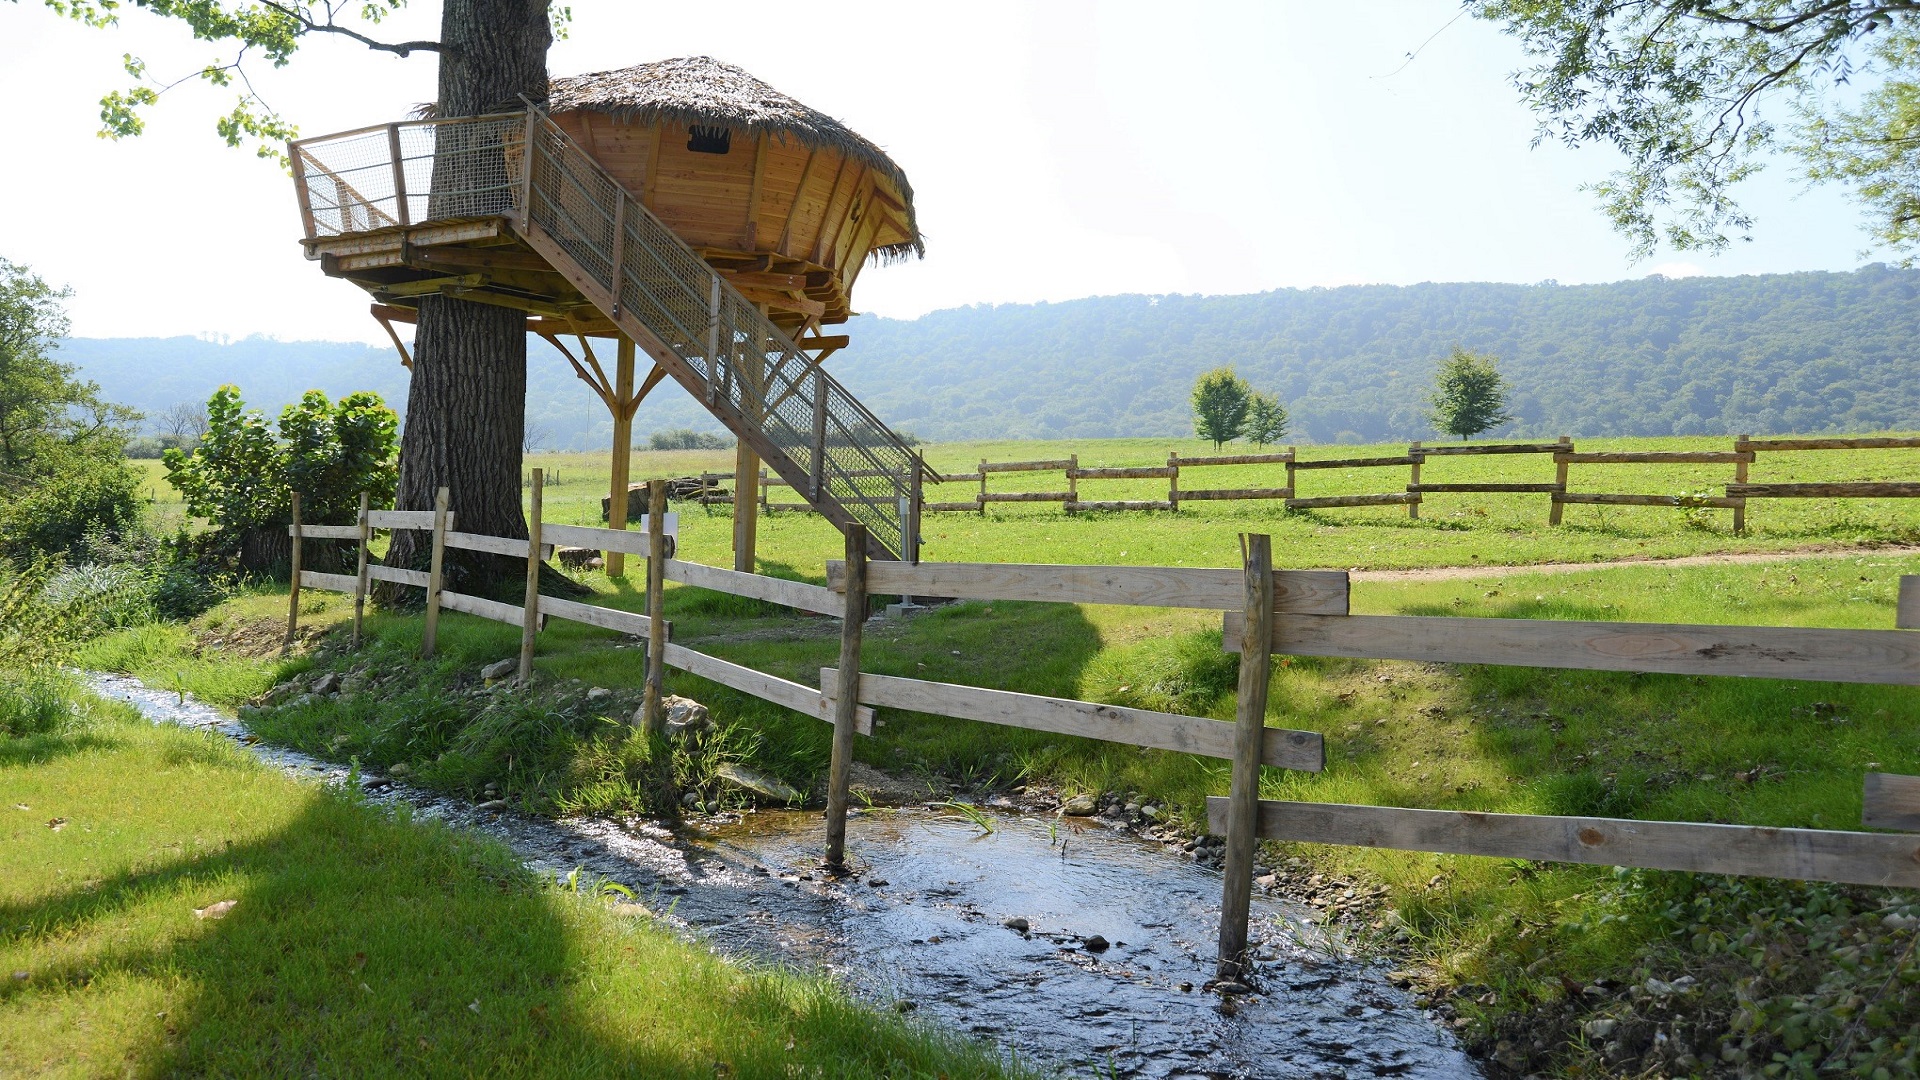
(917,496)
(652,717)
(746,506)
(1740,477)
(1073,483)
(530,625)
(1413,481)
(618,495)
(1173,482)
(1560,481)
(1292,454)
(983,487)
(293,589)
(1243,795)
(436,574)
(360,571)
(847,695)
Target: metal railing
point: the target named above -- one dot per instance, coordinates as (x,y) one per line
(400,174)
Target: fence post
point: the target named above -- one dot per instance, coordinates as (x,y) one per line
(1740,477)
(983,487)
(436,574)
(1173,482)
(1243,795)
(1073,484)
(652,717)
(1560,481)
(293,589)
(360,572)
(1293,453)
(530,624)
(1413,481)
(846,699)
(918,493)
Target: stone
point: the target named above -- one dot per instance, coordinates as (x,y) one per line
(1016,924)
(1599,1029)
(758,783)
(500,669)
(399,768)
(1081,806)
(492,804)
(870,785)
(691,800)
(1130,809)
(1150,812)
(1095,943)
(579,558)
(598,692)
(685,716)
(1232,989)
(326,685)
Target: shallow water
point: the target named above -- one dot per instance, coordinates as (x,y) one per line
(921,926)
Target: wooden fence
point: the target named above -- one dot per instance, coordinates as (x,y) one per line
(1266,612)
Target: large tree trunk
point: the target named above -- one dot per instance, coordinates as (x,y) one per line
(466,403)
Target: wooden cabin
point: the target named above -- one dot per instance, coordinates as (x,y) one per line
(788,202)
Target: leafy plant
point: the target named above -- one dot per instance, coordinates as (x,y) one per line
(1469,396)
(1266,419)
(1220,403)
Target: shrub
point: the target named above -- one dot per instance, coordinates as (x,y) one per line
(687,439)
(53,516)
(33,703)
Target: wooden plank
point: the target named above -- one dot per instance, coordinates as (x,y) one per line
(1804,854)
(1650,457)
(1516,489)
(960,478)
(1119,504)
(1222,494)
(1590,499)
(403,519)
(1236,459)
(327,532)
(1826,444)
(511,614)
(1315,592)
(1026,496)
(1152,472)
(626,622)
(1891,802)
(970,506)
(1114,723)
(497,545)
(631,541)
(1358,462)
(1906,612)
(801,699)
(1059,464)
(1890,657)
(313,579)
(1824,491)
(416,578)
(1395,499)
(1495,448)
(793,594)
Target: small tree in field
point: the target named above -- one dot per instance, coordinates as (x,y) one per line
(1267,420)
(1220,403)
(1469,396)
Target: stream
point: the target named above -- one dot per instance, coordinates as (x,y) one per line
(923,927)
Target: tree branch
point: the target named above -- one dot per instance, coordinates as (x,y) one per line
(402,48)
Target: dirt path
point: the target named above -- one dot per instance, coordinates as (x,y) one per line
(1452,573)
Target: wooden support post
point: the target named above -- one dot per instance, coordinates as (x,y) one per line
(917,494)
(360,569)
(983,487)
(1073,484)
(1413,481)
(653,718)
(1243,794)
(1293,454)
(622,451)
(746,505)
(436,574)
(293,588)
(530,625)
(765,506)
(401,212)
(1740,477)
(1173,482)
(846,699)
(1560,480)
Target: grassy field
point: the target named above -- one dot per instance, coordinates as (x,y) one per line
(358,943)
(1454,529)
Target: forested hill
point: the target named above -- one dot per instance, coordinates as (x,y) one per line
(1801,352)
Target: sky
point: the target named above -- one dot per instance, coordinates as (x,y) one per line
(1057,149)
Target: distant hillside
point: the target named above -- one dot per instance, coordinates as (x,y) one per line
(1784,352)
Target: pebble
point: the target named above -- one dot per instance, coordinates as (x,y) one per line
(1096,943)
(492,804)
(1080,806)
(1017,924)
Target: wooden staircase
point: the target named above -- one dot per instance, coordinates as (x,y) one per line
(601,248)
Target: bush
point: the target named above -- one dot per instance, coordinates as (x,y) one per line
(33,703)
(54,516)
(688,439)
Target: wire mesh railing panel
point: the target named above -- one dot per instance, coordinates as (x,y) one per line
(408,173)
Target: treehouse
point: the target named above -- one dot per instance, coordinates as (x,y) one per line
(680,208)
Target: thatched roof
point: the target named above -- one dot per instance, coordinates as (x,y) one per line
(701,90)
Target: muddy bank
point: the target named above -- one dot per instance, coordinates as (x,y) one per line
(1067,945)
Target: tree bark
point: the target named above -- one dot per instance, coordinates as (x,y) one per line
(466,401)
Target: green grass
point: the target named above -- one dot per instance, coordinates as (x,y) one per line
(362,943)
(1453,529)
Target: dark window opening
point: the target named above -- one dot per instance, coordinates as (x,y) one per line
(710,140)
